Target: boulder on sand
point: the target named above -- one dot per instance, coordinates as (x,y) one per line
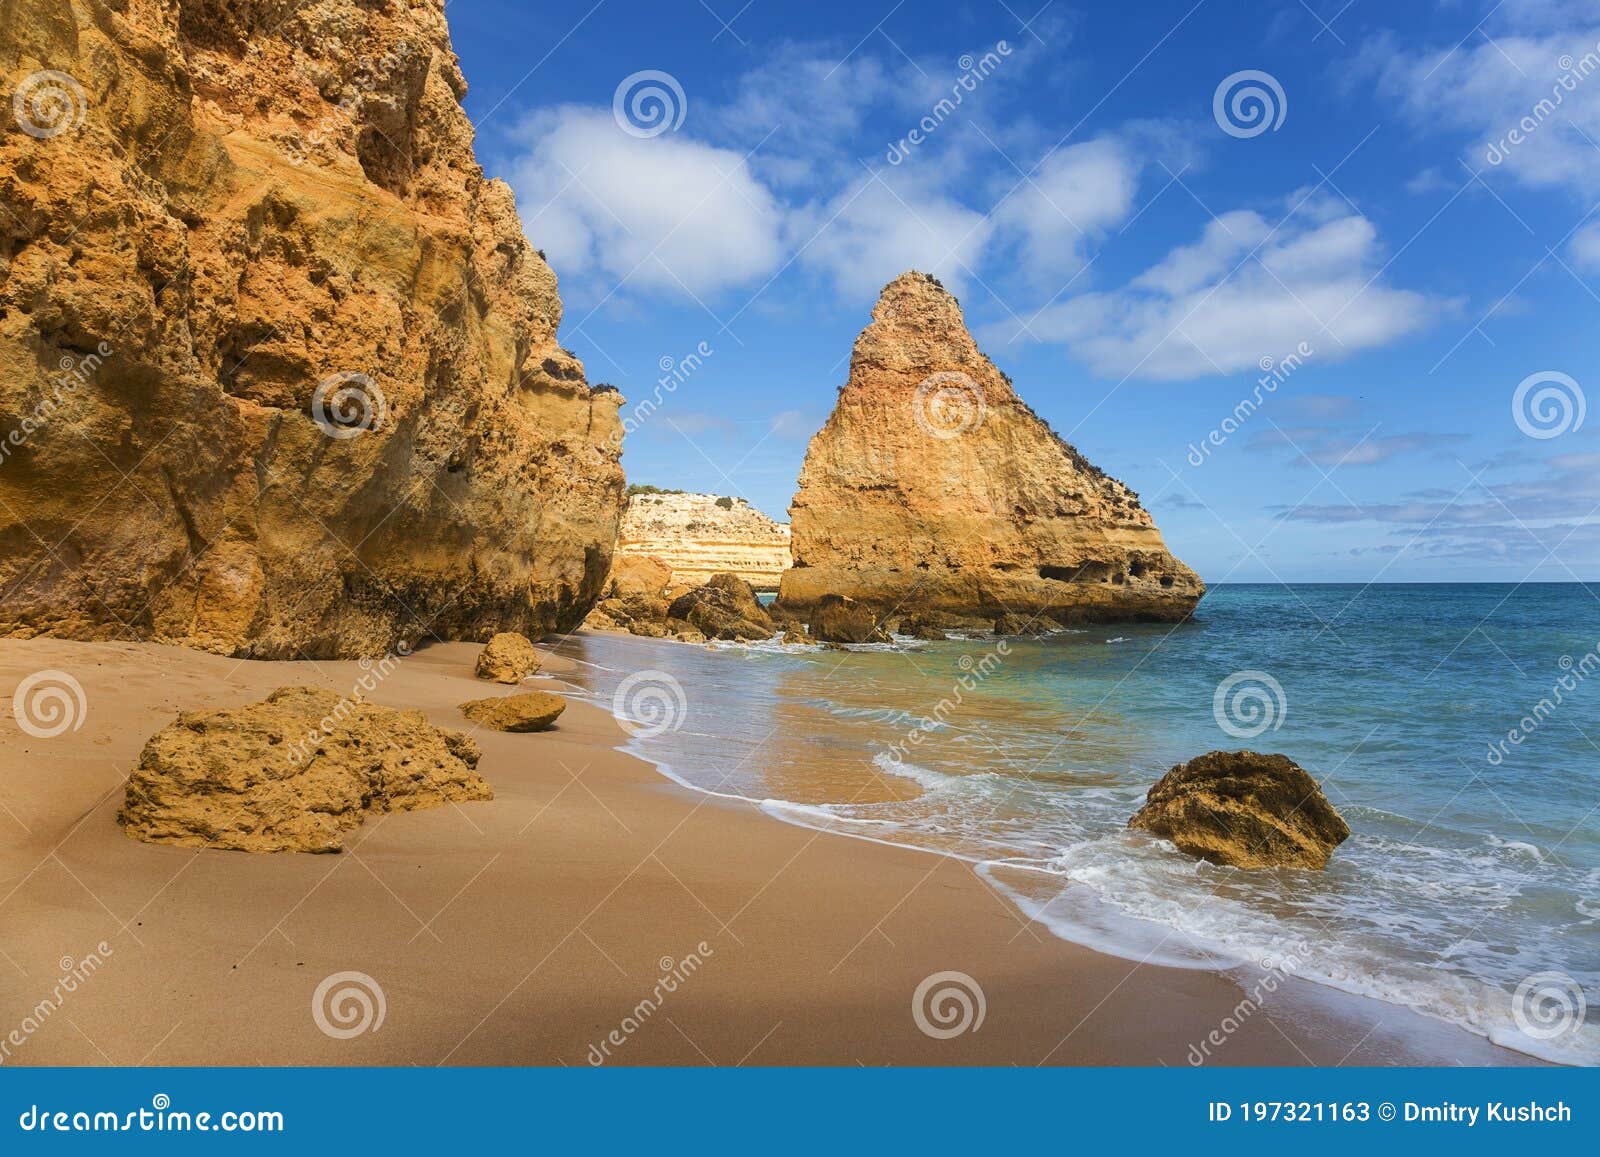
(1245,809)
(296,772)
(507,658)
(528,711)
(726,607)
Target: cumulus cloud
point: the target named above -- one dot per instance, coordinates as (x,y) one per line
(1074,195)
(667,213)
(1244,291)
(873,231)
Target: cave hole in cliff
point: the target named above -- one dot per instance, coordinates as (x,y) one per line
(1092,571)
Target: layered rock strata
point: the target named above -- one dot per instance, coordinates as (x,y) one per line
(699,535)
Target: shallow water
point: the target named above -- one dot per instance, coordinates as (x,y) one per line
(1473,872)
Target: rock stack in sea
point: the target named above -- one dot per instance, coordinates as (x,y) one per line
(279,374)
(934,488)
(699,535)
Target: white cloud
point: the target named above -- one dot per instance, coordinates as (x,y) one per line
(1076,194)
(873,232)
(1585,246)
(1526,101)
(1243,292)
(666,213)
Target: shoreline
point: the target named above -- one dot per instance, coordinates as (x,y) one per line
(526,930)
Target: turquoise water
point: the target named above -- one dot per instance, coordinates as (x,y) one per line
(1474,870)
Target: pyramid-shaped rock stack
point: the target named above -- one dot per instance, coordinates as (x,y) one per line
(933,487)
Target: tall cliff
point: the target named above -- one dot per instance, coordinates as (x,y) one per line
(278,369)
(933,486)
(699,535)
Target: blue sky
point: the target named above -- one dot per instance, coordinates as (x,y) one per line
(1127,249)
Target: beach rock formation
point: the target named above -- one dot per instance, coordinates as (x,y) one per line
(699,535)
(279,374)
(837,619)
(297,772)
(528,711)
(934,486)
(726,607)
(1245,809)
(507,658)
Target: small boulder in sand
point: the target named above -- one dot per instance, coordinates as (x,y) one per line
(839,619)
(1245,809)
(507,658)
(295,773)
(529,711)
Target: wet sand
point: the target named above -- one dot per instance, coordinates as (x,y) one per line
(536,929)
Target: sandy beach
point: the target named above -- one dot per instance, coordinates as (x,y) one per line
(529,929)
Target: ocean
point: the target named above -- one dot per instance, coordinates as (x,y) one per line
(1456,728)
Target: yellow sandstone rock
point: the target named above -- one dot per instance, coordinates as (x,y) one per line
(528,711)
(507,658)
(933,487)
(279,374)
(297,772)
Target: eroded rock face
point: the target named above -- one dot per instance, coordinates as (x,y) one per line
(699,535)
(934,487)
(278,370)
(1246,809)
(297,772)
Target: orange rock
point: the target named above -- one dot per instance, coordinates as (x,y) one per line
(934,487)
(251,263)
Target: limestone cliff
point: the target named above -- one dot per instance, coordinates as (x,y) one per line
(699,535)
(278,369)
(934,487)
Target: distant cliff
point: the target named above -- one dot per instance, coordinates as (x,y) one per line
(699,535)
(278,370)
(933,487)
